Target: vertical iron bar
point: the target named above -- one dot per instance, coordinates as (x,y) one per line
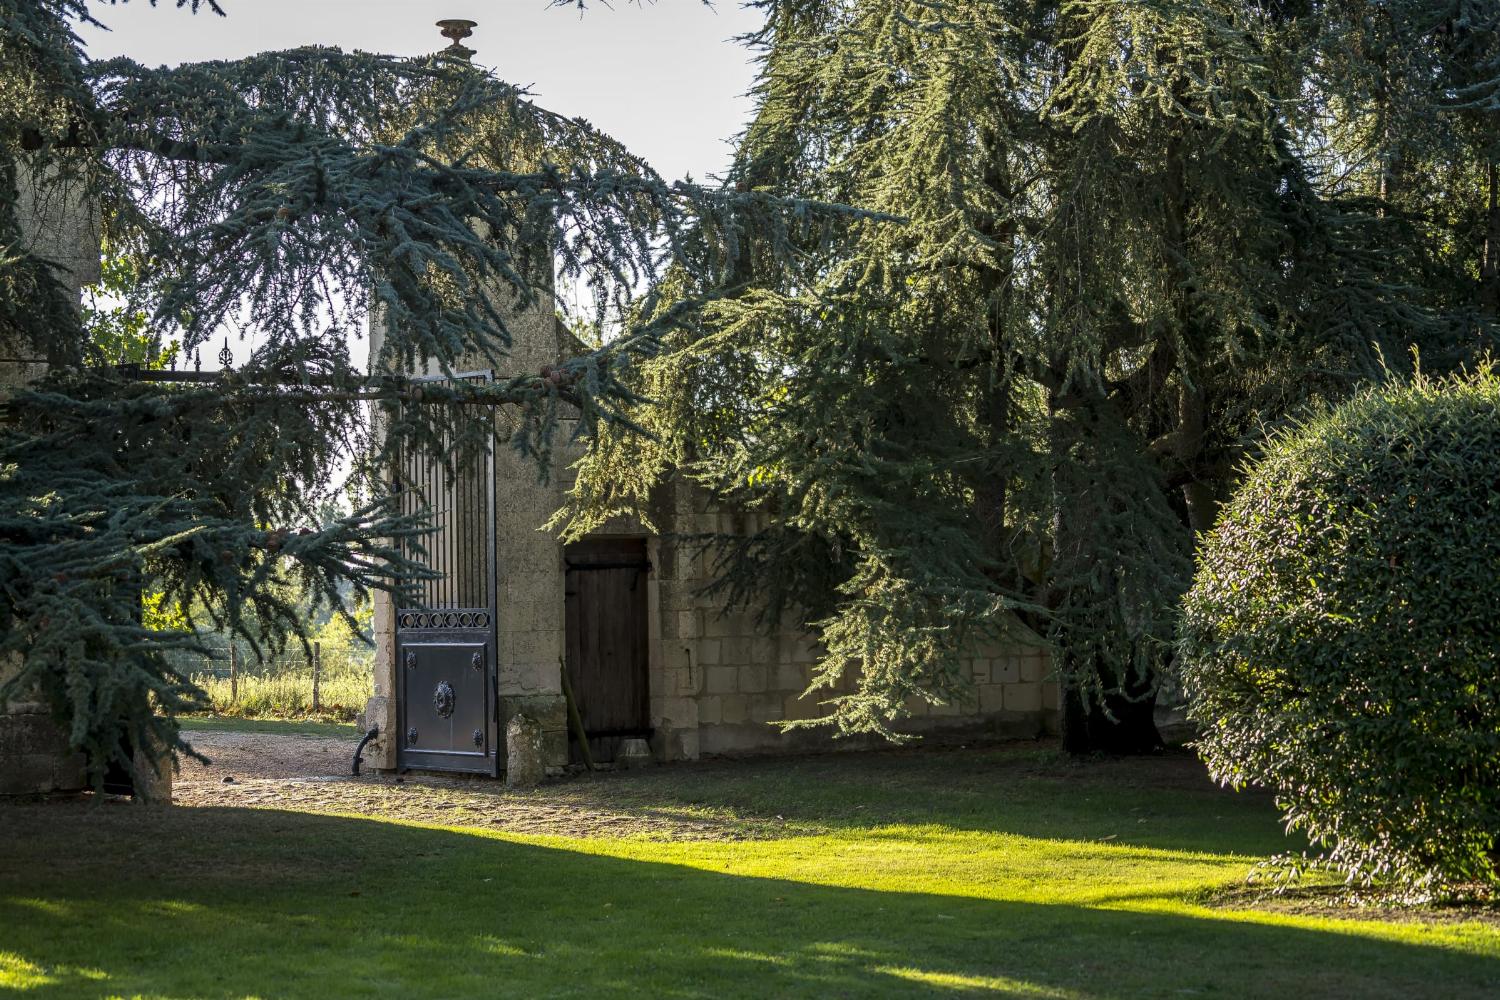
(435,548)
(447,513)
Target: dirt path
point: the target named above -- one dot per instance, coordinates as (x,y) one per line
(312,773)
(249,756)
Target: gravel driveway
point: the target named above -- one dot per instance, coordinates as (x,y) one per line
(312,774)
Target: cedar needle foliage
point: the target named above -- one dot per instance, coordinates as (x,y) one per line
(287,196)
(1135,234)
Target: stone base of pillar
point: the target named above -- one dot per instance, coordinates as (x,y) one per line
(153,785)
(524,765)
(551,713)
(34,754)
(380,753)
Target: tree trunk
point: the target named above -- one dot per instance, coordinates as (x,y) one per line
(1124,723)
(994,395)
(1489,270)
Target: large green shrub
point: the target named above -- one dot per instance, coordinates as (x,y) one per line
(1341,642)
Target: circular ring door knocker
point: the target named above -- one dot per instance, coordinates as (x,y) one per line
(442,699)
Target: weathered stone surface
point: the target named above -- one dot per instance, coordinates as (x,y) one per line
(710,711)
(991,697)
(383,609)
(738,650)
(633,753)
(734,708)
(752,678)
(59,222)
(380,753)
(34,754)
(151,774)
(720,627)
(676,656)
(796,707)
(525,765)
(791,677)
(947,709)
(1023,697)
(765,708)
(549,711)
(555,751)
(721,680)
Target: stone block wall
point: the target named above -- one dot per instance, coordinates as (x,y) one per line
(735,679)
(34,755)
(529,570)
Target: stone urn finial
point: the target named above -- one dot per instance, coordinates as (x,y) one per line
(456,29)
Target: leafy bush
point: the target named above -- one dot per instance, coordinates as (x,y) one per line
(1341,642)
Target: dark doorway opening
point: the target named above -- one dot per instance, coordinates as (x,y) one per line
(608,643)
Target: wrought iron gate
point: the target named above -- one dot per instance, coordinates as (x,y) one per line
(446,644)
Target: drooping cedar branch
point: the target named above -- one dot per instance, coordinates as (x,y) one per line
(1142,220)
(289,197)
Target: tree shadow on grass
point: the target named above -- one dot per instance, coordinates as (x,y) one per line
(223,902)
(1166,802)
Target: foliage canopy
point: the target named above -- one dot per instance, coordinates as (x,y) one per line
(285,196)
(1340,640)
(1135,233)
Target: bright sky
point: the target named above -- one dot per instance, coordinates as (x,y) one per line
(665,78)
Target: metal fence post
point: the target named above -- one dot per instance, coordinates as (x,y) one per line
(234,677)
(317,667)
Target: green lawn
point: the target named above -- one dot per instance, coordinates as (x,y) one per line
(289,727)
(1008,873)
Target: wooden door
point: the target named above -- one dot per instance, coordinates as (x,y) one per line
(607,658)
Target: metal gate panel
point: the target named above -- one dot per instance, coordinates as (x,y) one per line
(447,725)
(446,642)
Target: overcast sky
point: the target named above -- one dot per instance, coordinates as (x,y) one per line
(665,78)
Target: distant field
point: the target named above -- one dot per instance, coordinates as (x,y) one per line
(288,695)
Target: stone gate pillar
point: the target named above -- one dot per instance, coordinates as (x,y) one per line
(529,571)
(60,223)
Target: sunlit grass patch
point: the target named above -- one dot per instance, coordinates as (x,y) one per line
(16,973)
(989,874)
